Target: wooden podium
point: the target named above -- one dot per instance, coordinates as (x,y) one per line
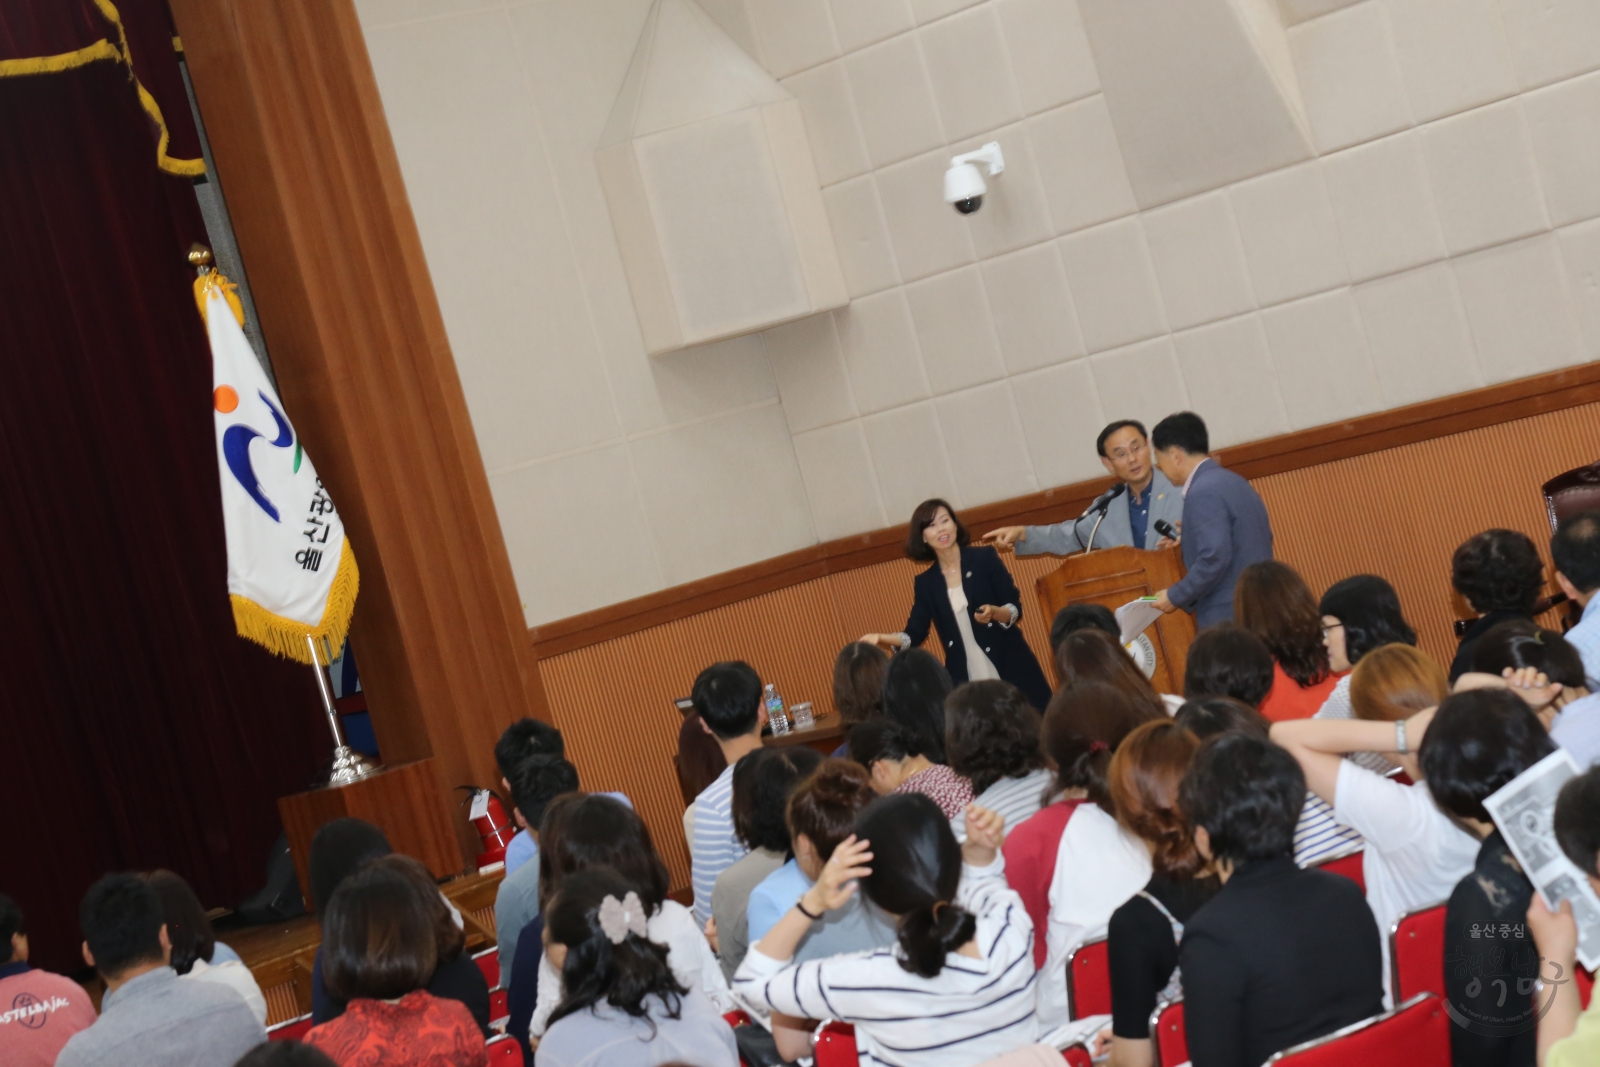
(1114,576)
(403,801)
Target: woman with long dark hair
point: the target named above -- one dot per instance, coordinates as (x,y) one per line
(622,1007)
(1273,602)
(955,989)
(971,599)
(582,831)
(915,685)
(194,944)
(1091,655)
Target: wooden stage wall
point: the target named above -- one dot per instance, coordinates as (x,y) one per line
(1398,512)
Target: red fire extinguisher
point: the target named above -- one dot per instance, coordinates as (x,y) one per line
(494,826)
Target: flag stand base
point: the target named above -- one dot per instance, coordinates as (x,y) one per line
(349,766)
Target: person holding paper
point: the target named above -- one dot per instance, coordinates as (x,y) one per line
(1126,515)
(1566,1037)
(1477,742)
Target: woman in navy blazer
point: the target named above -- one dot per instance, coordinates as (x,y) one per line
(983,640)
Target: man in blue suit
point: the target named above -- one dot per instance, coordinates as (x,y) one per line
(1225,526)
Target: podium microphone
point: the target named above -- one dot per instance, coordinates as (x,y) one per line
(1102,504)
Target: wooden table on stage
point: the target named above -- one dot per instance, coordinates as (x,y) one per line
(825,736)
(404,801)
(1114,576)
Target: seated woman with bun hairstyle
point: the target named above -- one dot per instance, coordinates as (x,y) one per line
(957,987)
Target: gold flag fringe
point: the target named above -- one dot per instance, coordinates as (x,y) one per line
(215,279)
(120,53)
(286,637)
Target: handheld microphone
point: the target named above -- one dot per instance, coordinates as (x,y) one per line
(1164,528)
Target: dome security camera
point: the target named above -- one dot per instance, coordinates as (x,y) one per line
(963,183)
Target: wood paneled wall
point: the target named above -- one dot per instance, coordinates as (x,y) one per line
(1399,512)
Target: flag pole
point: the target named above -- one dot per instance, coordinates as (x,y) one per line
(348,764)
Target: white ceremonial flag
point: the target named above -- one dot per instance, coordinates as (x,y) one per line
(291,573)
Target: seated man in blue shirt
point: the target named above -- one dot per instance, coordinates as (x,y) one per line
(524,738)
(149,1016)
(535,782)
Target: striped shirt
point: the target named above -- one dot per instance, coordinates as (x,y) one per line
(1321,837)
(715,847)
(974,1010)
(1338,706)
(1014,799)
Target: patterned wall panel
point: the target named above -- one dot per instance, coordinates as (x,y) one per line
(1398,513)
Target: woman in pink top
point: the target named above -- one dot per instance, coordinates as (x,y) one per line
(894,758)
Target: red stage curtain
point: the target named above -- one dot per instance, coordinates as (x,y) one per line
(138,730)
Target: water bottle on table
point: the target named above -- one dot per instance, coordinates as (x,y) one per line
(776,715)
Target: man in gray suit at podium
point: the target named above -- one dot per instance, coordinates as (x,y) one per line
(1124,515)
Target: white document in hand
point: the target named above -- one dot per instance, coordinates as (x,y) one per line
(1523,810)
(1136,616)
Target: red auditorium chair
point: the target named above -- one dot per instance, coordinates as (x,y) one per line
(1585,986)
(836,1046)
(1416,1034)
(488,962)
(1349,866)
(504,1051)
(1077,1056)
(1089,980)
(1171,1045)
(290,1029)
(1416,953)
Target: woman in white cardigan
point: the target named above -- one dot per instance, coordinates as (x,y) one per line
(582,831)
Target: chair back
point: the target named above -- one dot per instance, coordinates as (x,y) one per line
(291,1029)
(836,1046)
(1416,1034)
(1349,866)
(1169,1042)
(504,1051)
(488,962)
(1416,953)
(1585,986)
(1575,491)
(1089,980)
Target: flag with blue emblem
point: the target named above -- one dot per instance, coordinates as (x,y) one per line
(291,573)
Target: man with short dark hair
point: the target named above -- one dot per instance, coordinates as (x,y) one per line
(39,1011)
(728,697)
(524,738)
(1575,548)
(535,782)
(1141,498)
(1225,526)
(150,1017)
